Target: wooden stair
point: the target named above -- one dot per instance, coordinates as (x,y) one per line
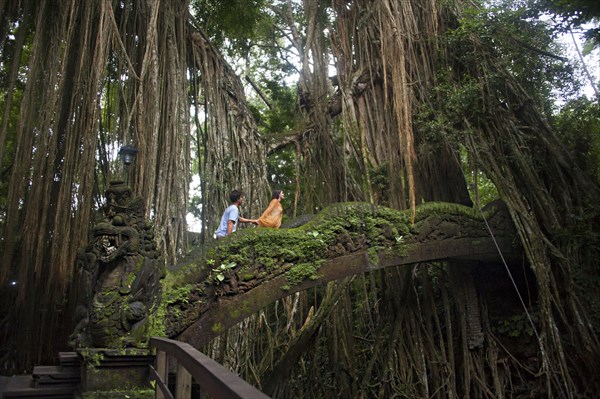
(47,381)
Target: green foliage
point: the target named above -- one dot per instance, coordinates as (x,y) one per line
(516,326)
(510,35)
(578,126)
(283,115)
(234,23)
(380,182)
(91,357)
(276,123)
(451,103)
(195,206)
(471,92)
(481,189)
(177,295)
(281,171)
(573,13)
(218,274)
(171,298)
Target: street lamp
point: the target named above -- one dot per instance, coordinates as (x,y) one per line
(127,154)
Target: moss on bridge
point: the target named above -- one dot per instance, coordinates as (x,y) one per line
(244,260)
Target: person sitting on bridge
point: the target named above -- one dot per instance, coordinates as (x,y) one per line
(231,216)
(272,216)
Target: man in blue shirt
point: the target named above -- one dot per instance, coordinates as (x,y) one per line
(231,216)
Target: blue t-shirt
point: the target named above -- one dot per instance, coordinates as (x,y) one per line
(231,213)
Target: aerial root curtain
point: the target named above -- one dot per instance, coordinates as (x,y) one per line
(99,75)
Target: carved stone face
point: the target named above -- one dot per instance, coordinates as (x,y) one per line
(119,195)
(112,242)
(107,245)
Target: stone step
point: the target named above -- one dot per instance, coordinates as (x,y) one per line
(23,387)
(55,375)
(69,359)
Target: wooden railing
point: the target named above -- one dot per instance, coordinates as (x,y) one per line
(213,379)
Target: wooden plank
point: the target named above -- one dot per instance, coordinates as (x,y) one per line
(183,389)
(162,371)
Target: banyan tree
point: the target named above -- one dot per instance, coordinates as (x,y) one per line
(418,87)
(396,103)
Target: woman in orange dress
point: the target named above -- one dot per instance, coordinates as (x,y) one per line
(272,216)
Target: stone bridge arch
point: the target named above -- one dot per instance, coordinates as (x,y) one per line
(440,232)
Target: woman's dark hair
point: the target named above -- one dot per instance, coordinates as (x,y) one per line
(276,194)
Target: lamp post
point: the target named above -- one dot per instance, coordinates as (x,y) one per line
(127,154)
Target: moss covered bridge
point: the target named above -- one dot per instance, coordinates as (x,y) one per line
(239,275)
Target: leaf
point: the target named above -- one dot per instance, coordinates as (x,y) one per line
(231,265)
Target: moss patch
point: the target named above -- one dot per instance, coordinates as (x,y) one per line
(338,230)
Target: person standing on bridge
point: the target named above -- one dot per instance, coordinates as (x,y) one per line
(273,215)
(231,216)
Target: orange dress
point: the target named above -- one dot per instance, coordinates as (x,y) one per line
(272,216)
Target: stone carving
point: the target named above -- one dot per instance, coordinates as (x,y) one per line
(120,274)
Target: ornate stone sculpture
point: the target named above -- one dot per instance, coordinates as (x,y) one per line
(120,276)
